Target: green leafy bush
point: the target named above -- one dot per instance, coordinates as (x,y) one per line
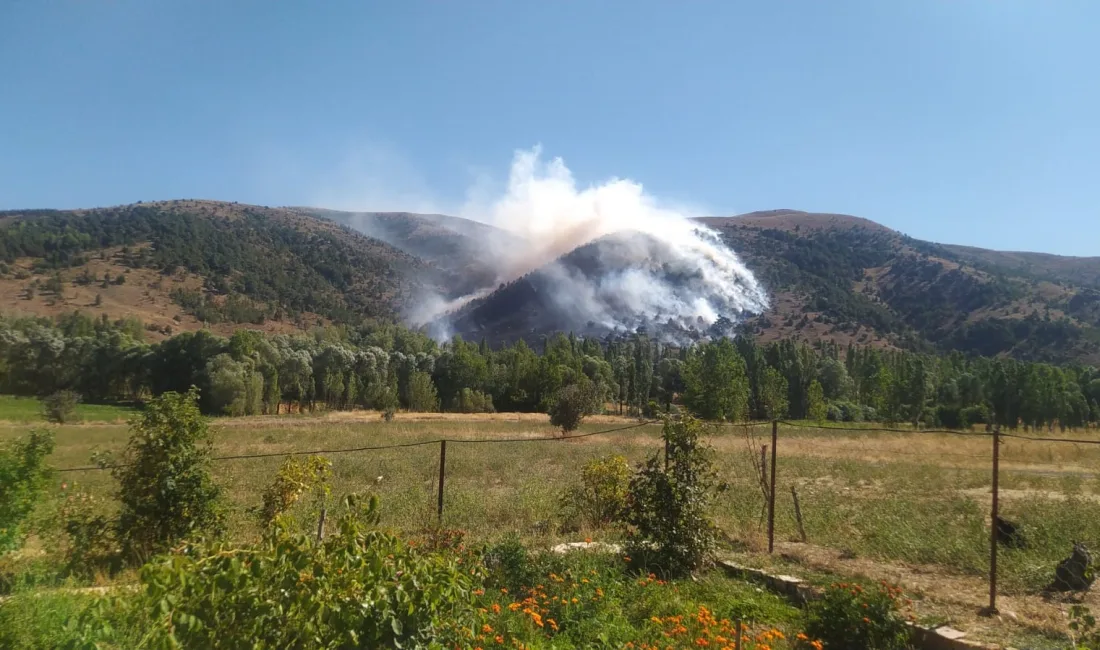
(469,400)
(600,498)
(295,478)
(165,489)
(569,407)
(851,617)
(669,501)
(89,542)
(60,407)
(23,476)
(362,588)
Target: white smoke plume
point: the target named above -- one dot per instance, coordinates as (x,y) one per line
(654,263)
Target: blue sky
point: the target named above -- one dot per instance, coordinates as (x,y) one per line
(974,122)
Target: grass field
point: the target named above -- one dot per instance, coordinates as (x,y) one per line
(871,499)
(29,409)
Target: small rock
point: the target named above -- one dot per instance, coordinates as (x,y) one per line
(586,546)
(950,633)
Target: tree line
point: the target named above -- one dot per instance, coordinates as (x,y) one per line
(387,367)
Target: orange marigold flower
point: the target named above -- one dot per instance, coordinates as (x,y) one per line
(553,624)
(499,639)
(496,608)
(866,620)
(486,628)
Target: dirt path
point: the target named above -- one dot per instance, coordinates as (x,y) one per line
(947,597)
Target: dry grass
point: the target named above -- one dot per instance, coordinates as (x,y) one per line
(144,295)
(905,503)
(907,507)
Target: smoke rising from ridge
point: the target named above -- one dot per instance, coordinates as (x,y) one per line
(611,254)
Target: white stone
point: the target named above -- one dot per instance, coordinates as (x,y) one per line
(586,546)
(950,633)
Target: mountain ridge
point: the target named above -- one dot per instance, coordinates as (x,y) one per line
(830,277)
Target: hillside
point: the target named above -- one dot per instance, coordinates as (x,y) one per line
(843,278)
(183,264)
(847,280)
(454,245)
(179,265)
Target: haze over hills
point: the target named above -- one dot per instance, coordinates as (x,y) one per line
(828,277)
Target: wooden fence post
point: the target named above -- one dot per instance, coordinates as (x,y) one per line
(994,515)
(442,476)
(764,482)
(771,497)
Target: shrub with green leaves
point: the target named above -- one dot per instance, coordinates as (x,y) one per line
(570,405)
(362,588)
(669,500)
(23,476)
(89,542)
(600,497)
(60,407)
(851,617)
(166,492)
(296,477)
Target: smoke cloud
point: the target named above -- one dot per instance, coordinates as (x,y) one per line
(638,261)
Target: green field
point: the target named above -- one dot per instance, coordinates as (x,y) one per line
(29,409)
(888,500)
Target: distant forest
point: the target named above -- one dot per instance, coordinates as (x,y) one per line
(388,367)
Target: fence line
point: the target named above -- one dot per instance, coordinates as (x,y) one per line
(422,443)
(954,432)
(769,482)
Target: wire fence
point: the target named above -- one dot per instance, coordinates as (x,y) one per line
(918,496)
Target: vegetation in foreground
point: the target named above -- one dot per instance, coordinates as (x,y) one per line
(556,489)
(363,585)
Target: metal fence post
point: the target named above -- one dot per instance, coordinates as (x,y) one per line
(994,516)
(442,475)
(771,497)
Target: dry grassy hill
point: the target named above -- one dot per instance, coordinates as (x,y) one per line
(183,264)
